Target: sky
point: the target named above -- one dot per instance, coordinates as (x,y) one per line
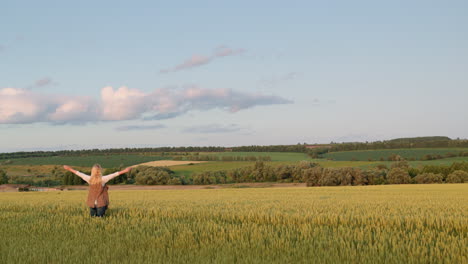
(106,74)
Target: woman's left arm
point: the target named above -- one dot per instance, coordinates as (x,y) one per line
(109,177)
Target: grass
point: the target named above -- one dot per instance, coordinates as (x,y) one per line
(341,164)
(107,161)
(187,170)
(414,164)
(275,156)
(365,155)
(28,170)
(44,165)
(372,224)
(447,161)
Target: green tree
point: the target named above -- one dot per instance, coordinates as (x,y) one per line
(329,177)
(398,176)
(175,181)
(458,176)
(152,175)
(3,177)
(312,176)
(429,178)
(68,178)
(77,180)
(400,164)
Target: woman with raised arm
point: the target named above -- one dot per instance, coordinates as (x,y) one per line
(98,198)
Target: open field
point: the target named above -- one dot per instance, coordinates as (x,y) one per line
(342,164)
(35,168)
(28,170)
(372,164)
(447,161)
(134,187)
(275,156)
(373,224)
(187,170)
(365,155)
(168,163)
(106,161)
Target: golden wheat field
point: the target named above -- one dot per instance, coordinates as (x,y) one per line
(371,224)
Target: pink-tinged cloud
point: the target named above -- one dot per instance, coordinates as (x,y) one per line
(194,61)
(223,51)
(122,104)
(26,106)
(199,60)
(19,106)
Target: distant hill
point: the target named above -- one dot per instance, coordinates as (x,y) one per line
(397,143)
(419,139)
(314,150)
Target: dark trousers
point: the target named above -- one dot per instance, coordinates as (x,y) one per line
(99,212)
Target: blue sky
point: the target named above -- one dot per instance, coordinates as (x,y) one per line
(152,73)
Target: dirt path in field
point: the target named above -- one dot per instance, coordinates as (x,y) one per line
(164,163)
(195,187)
(13,187)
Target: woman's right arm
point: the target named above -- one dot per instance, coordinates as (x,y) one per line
(109,177)
(77,173)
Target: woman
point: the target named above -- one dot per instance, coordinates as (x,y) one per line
(98,198)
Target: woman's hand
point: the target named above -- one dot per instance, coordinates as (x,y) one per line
(125,170)
(70,169)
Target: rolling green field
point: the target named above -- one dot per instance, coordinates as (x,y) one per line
(372,224)
(44,165)
(275,156)
(447,161)
(365,155)
(187,170)
(106,161)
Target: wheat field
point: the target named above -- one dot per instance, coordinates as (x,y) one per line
(371,224)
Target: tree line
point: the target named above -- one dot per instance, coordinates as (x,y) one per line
(304,172)
(314,150)
(314,175)
(302,148)
(399,143)
(3,177)
(112,151)
(426,157)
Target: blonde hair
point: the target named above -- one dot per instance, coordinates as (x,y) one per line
(96,174)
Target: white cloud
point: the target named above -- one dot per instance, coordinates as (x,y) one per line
(18,106)
(223,51)
(198,60)
(122,104)
(76,110)
(26,106)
